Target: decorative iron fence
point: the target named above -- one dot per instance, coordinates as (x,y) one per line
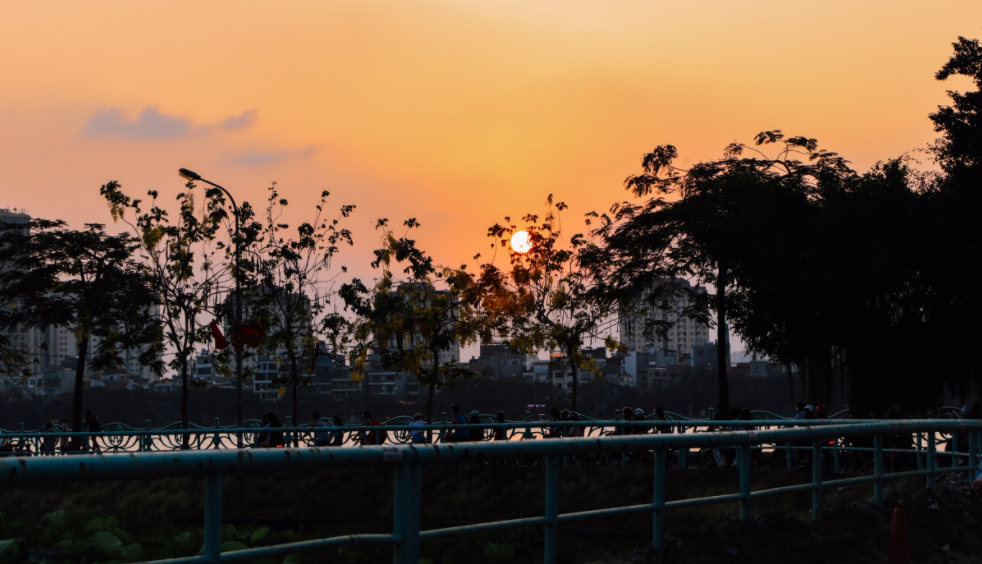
(407,461)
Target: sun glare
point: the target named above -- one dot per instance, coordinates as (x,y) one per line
(520,242)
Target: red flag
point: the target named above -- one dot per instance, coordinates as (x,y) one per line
(249,336)
(220,341)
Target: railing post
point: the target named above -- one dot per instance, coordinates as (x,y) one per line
(954,449)
(21,440)
(816,479)
(789,462)
(406,514)
(217,439)
(528,428)
(552,509)
(745,458)
(148,438)
(443,426)
(931,458)
(835,456)
(213,516)
(85,439)
(920,450)
(288,439)
(878,470)
(972,454)
(620,431)
(658,512)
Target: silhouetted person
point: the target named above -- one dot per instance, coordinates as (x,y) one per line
(500,433)
(338,436)
(474,423)
(660,416)
(376,436)
(274,438)
(574,431)
(321,437)
(628,414)
(557,431)
(459,432)
(94,427)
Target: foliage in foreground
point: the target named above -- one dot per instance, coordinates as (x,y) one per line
(61,538)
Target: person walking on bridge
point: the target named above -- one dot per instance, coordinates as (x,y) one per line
(419,436)
(321,438)
(376,436)
(459,433)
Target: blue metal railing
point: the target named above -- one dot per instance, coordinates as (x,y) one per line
(119,438)
(407,462)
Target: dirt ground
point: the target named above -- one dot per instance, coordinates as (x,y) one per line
(944,525)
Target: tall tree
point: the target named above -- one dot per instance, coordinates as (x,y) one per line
(955,263)
(180,261)
(552,295)
(700,233)
(293,271)
(85,280)
(407,320)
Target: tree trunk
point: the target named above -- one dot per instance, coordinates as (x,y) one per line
(83,352)
(184,405)
(295,384)
(429,403)
(576,375)
(431,393)
(722,340)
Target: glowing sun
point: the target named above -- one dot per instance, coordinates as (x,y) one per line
(521,242)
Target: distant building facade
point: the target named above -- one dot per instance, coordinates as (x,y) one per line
(499,361)
(684,334)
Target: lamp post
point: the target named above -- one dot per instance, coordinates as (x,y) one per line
(193,176)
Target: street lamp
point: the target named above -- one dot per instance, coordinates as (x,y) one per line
(195,177)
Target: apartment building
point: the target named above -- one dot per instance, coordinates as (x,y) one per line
(683,335)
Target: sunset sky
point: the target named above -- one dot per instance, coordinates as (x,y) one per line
(453,112)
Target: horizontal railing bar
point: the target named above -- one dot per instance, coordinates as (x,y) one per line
(717,423)
(609,512)
(849,481)
(305,546)
(284,549)
(703,501)
(127,465)
(482,527)
(781,490)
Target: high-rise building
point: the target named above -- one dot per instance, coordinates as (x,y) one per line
(26,339)
(684,334)
(54,346)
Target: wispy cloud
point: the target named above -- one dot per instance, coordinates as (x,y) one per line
(148,124)
(151,123)
(240,121)
(263,158)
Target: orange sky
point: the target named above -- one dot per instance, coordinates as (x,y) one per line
(456,113)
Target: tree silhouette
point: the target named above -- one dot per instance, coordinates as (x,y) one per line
(408,321)
(291,272)
(85,280)
(180,260)
(552,296)
(702,234)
